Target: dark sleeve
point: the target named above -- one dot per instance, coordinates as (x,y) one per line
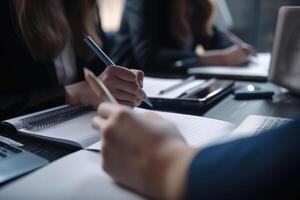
(25,85)
(143,18)
(20,103)
(262,167)
(218,41)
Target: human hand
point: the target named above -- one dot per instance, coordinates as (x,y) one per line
(237,55)
(124,84)
(143,152)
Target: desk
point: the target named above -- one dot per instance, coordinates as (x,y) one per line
(282,105)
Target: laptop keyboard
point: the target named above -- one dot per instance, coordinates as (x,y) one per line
(7,150)
(48,151)
(271,123)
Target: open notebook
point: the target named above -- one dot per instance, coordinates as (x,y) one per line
(71,125)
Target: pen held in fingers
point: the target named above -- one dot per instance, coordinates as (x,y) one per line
(98,86)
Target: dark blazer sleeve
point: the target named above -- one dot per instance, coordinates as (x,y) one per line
(261,167)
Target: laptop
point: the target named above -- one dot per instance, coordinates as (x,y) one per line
(15,161)
(285,63)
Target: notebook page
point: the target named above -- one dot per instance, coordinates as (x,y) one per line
(197,131)
(258,66)
(78,176)
(153,86)
(78,131)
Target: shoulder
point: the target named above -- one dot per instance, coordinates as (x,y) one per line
(142,5)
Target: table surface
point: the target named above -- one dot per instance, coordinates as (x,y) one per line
(235,111)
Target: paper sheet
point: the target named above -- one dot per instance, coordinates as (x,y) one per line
(258,67)
(197,131)
(74,177)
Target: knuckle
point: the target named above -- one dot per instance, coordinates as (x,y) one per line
(141,73)
(135,87)
(110,70)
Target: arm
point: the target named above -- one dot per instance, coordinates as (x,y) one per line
(164,167)
(258,167)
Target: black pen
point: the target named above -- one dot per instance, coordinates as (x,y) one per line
(104,58)
(182,83)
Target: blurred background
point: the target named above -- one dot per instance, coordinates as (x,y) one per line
(252,20)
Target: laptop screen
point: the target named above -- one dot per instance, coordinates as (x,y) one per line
(285,64)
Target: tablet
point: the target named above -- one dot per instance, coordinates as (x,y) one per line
(197,98)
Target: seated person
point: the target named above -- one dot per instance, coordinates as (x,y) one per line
(160,35)
(43,55)
(147,154)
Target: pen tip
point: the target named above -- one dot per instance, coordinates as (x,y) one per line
(149,103)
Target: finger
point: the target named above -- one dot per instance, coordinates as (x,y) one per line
(127,103)
(98,123)
(124,74)
(105,110)
(140,77)
(125,86)
(124,96)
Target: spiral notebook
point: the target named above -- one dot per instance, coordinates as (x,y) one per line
(69,125)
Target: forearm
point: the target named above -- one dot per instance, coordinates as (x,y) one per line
(212,58)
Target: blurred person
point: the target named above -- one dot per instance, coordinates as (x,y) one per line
(161,34)
(43,56)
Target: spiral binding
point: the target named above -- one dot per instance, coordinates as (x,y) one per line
(49,119)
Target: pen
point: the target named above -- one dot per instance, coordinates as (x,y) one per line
(236,40)
(98,86)
(182,83)
(107,61)
(197,88)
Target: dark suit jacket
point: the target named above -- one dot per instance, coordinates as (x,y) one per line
(262,167)
(144,39)
(26,85)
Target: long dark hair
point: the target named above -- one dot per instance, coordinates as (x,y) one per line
(191,16)
(47,25)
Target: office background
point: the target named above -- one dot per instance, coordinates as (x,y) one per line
(253,26)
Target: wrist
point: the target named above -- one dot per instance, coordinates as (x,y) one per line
(212,58)
(170,164)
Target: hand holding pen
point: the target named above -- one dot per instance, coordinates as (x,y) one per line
(135,76)
(236,40)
